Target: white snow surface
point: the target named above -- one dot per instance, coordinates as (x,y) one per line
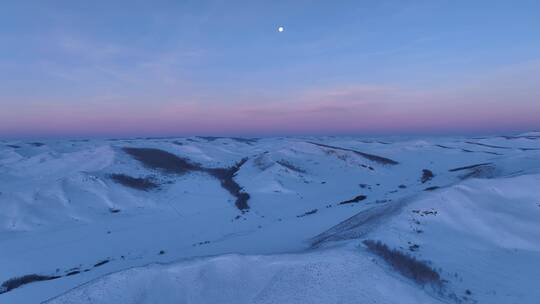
(328,276)
(187,242)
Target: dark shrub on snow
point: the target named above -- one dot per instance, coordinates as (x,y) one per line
(23,280)
(143,184)
(405,264)
(427,175)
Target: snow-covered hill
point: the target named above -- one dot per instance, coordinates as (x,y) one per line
(328,276)
(294,211)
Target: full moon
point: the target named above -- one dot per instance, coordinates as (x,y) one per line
(280,29)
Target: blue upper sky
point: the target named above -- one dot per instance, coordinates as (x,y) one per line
(221,67)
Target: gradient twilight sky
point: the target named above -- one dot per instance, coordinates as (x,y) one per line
(143,68)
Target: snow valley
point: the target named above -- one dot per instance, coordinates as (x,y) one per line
(271,220)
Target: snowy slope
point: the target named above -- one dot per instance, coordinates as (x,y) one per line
(63,213)
(331,276)
(483,234)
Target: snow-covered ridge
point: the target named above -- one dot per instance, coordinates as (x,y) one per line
(64,212)
(330,276)
(482,235)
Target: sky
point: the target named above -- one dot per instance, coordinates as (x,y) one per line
(167,68)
